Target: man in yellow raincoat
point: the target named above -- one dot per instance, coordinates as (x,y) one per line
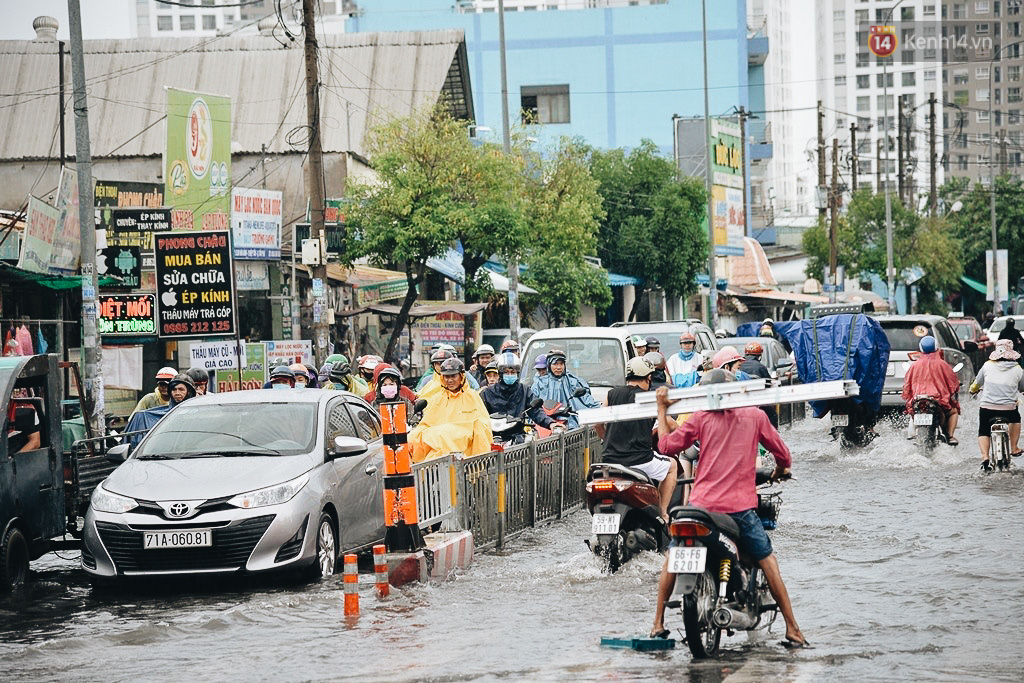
(455,418)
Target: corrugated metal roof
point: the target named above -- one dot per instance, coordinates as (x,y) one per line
(366,77)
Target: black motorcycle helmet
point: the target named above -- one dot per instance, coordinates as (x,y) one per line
(183,378)
(340,370)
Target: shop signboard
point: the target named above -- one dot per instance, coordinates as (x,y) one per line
(193,273)
(40,226)
(66,252)
(120,262)
(728,207)
(381,291)
(120,194)
(256,223)
(251,276)
(127,315)
(253,373)
(290,351)
(447,328)
(197,160)
(219,355)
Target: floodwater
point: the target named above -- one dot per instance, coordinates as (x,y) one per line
(901,567)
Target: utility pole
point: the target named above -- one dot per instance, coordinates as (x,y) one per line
(712,283)
(1002,155)
(899,149)
(933,199)
(878,164)
(315,183)
(821,158)
(743,116)
(506,145)
(853,149)
(833,229)
(60,104)
(91,351)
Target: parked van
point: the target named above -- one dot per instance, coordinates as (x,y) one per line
(595,354)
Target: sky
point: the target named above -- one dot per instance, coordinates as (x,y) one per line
(100,18)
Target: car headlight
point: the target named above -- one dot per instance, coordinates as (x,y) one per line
(271,495)
(105,501)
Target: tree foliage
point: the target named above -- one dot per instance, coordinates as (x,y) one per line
(918,242)
(972,224)
(653,227)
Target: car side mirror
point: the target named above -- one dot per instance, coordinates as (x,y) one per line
(969,345)
(118,453)
(346,446)
(535,403)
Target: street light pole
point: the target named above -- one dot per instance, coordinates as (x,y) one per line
(506,145)
(992,191)
(712,291)
(890,268)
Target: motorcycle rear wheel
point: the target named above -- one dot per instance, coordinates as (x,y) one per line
(927,437)
(702,636)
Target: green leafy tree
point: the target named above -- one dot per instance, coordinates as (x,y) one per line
(653,227)
(918,242)
(432,186)
(563,215)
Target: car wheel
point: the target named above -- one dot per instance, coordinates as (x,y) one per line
(13,560)
(326,545)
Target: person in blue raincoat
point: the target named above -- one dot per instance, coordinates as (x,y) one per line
(559,384)
(684,366)
(181,389)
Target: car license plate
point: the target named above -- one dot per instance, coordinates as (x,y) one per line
(924,419)
(687,559)
(605,524)
(189,538)
(890,370)
(840,420)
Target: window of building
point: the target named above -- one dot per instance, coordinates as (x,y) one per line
(1013,73)
(840,58)
(981,95)
(908,78)
(906,13)
(1013,95)
(961,162)
(959,11)
(1013,29)
(839,15)
(981,72)
(863,103)
(981,116)
(209,22)
(960,76)
(881,101)
(862,16)
(981,7)
(209,3)
(840,80)
(164,22)
(1013,117)
(928,10)
(862,59)
(883,80)
(929,74)
(863,81)
(1014,137)
(961,98)
(187,22)
(544,103)
(981,29)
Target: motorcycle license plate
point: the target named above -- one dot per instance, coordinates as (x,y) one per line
(605,524)
(840,420)
(687,560)
(924,419)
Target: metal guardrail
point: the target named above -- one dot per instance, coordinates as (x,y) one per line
(500,494)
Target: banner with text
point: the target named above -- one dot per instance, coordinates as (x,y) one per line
(290,351)
(127,315)
(66,251)
(256,223)
(40,226)
(193,275)
(254,371)
(217,355)
(122,194)
(197,171)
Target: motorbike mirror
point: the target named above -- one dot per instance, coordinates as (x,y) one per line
(419,406)
(580,391)
(958,367)
(535,403)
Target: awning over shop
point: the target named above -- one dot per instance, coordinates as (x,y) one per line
(376,284)
(427,310)
(974,284)
(616,280)
(14,274)
(776,295)
(500,283)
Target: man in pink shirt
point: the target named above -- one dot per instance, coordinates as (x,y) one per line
(725,483)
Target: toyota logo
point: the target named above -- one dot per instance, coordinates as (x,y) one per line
(178,509)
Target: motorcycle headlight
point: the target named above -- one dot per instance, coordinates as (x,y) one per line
(105,501)
(271,495)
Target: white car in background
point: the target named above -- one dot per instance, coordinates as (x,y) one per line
(999,324)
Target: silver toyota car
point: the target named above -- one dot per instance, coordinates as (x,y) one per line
(244,481)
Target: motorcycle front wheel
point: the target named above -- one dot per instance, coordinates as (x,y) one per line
(702,636)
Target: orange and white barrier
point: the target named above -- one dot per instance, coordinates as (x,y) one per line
(351,580)
(402,531)
(450,550)
(380,570)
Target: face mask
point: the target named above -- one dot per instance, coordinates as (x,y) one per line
(389,391)
(510,379)
(280,386)
(300,385)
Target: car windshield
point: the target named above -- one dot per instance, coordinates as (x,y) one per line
(232,429)
(905,335)
(598,361)
(963,330)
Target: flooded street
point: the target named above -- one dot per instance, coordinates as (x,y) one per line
(900,567)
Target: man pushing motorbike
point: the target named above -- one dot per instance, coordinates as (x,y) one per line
(725,483)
